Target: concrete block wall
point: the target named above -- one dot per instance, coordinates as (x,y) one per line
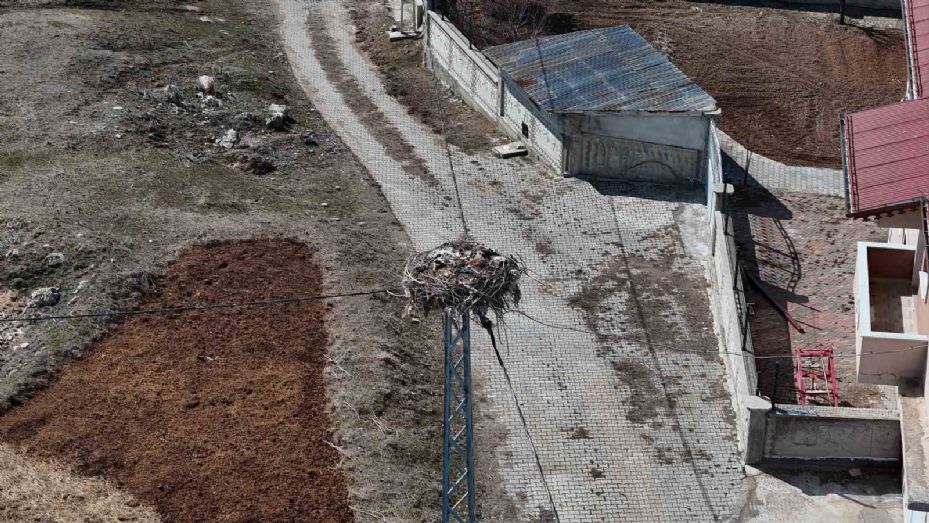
(463,69)
(831,434)
(739,366)
(542,135)
(478,82)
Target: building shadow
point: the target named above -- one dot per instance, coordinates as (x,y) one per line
(773,269)
(664,192)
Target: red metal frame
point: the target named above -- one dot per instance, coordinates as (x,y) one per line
(814,375)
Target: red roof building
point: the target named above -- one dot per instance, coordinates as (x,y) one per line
(885,155)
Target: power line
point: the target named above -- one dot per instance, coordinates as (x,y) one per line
(743,354)
(195,308)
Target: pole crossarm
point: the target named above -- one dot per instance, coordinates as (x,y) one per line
(457,451)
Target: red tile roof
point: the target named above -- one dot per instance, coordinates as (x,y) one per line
(886,157)
(916,15)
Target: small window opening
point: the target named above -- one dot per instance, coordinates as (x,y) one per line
(525,130)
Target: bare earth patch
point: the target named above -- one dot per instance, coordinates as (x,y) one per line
(219,415)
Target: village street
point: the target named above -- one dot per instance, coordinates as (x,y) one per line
(628,423)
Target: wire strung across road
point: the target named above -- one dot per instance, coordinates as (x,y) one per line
(743,354)
(393,292)
(196,308)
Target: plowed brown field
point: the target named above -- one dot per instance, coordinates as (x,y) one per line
(206,416)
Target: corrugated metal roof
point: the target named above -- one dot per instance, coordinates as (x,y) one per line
(916,13)
(887,157)
(609,69)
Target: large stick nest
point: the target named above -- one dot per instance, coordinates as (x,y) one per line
(463,275)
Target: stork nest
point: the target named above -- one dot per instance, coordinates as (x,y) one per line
(463,275)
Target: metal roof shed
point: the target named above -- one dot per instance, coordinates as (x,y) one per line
(609,69)
(604,103)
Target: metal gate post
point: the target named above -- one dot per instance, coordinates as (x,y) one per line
(457,451)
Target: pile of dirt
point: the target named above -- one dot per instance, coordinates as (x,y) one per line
(207,416)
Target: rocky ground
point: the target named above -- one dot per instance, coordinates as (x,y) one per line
(113,158)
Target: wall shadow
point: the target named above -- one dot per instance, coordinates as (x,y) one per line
(768,256)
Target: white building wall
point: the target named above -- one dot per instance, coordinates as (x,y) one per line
(543,138)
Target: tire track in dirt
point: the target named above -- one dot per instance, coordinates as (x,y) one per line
(361,104)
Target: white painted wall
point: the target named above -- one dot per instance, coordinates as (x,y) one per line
(461,68)
(688,131)
(544,138)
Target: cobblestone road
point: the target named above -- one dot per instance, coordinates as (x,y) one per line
(627,428)
(775,176)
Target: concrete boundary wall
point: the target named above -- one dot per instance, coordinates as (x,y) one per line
(817,434)
(461,67)
(739,365)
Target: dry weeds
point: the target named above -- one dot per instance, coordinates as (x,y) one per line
(42,491)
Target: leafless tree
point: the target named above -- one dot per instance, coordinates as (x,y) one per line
(519,19)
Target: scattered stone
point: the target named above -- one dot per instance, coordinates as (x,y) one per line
(229,139)
(212,20)
(855,472)
(324,204)
(45,297)
(54,259)
(695,8)
(211,101)
(191,8)
(243,120)
(309,138)
(12,254)
(81,285)
(22,346)
(168,94)
(142,282)
(206,84)
(277,117)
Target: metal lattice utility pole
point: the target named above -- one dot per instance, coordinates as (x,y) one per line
(457,450)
